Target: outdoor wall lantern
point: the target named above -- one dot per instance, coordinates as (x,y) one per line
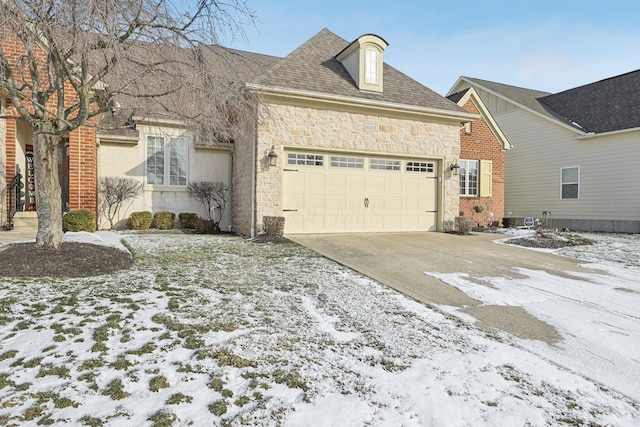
(272,156)
(455,167)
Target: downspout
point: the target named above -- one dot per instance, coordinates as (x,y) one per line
(254,177)
(229,212)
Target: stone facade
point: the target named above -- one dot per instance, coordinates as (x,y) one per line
(286,126)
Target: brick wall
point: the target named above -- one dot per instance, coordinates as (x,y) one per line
(482,144)
(83,150)
(288,125)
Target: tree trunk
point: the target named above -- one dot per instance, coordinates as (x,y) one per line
(46,147)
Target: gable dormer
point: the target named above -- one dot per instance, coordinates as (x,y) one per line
(363,60)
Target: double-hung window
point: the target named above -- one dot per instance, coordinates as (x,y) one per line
(570,182)
(167,160)
(468,177)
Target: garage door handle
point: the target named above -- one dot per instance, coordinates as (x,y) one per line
(366,202)
(289,210)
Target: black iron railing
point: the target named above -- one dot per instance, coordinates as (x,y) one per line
(16,196)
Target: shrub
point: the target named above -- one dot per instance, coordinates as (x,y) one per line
(140,220)
(507,223)
(114,192)
(463,224)
(164,220)
(80,220)
(273,225)
(188,220)
(212,195)
(205,226)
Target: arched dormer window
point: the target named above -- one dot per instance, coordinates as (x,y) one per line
(371,66)
(364,62)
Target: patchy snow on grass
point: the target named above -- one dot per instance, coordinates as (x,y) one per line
(211,330)
(596,314)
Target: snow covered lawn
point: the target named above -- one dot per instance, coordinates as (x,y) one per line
(215,330)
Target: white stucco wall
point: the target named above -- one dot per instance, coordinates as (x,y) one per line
(128,160)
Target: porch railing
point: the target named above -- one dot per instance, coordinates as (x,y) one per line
(16,197)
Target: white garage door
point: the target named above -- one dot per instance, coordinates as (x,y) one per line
(332,193)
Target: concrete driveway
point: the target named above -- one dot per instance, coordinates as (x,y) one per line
(399,260)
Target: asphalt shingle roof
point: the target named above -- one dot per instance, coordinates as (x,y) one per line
(604,106)
(312,67)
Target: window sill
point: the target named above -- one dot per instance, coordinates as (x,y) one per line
(172,188)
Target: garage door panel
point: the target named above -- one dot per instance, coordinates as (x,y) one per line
(328,198)
(393,185)
(354,183)
(315,181)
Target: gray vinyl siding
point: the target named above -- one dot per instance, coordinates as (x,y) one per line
(609,173)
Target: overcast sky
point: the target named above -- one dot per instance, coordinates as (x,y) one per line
(545,45)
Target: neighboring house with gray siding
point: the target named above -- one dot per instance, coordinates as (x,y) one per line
(574,153)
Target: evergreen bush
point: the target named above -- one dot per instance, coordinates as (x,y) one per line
(188,220)
(79,220)
(164,220)
(205,226)
(140,220)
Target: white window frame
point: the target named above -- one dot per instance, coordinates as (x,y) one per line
(170,161)
(563,183)
(371,66)
(347,162)
(301,159)
(465,189)
(384,164)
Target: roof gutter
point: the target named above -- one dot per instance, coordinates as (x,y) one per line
(592,135)
(366,103)
(520,105)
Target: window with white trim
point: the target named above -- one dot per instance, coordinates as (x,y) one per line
(347,162)
(371,66)
(384,164)
(305,159)
(570,182)
(167,160)
(468,173)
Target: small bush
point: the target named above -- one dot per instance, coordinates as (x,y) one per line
(140,220)
(164,220)
(80,220)
(205,226)
(507,223)
(188,220)
(463,224)
(273,225)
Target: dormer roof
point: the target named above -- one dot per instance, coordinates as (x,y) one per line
(313,68)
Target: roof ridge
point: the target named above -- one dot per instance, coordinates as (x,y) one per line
(283,60)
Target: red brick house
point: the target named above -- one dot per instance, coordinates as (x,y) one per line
(481,171)
(77,160)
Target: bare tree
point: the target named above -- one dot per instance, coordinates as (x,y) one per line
(114,191)
(75,58)
(213,195)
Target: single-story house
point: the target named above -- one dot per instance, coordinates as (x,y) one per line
(481,171)
(341,142)
(573,161)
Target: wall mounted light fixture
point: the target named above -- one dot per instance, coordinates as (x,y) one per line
(454,167)
(272,156)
